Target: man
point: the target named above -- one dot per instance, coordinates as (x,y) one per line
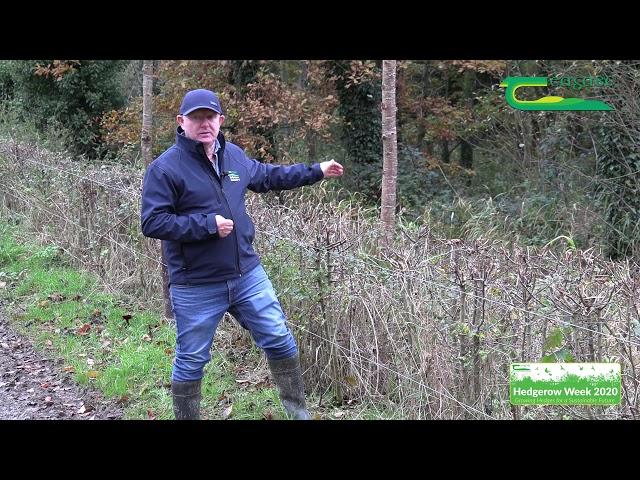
(193,200)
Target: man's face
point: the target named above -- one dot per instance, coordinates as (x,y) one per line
(202,125)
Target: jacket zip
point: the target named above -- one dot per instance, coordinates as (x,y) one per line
(237,243)
(234,232)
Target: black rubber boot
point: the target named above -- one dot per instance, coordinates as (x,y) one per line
(186,400)
(287,375)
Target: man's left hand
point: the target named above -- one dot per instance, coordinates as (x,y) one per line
(331,169)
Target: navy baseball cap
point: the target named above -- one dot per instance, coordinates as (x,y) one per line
(200,98)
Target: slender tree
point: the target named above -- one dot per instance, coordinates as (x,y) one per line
(468,85)
(147,111)
(389,150)
(147,156)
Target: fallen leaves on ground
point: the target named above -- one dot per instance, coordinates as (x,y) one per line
(56,297)
(84,329)
(226,413)
(85,408)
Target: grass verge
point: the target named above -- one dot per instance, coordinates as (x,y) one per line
(124,353)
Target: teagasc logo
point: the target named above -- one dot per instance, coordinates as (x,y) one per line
(554,102)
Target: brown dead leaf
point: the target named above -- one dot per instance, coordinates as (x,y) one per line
(267,415)
(69,369)
(44,303)
(49,343)
(84,329)
(351,380)
(122,399)
(150,415)
(146,338)
(93,374)
(168,351)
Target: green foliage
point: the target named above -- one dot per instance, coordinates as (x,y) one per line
(6,81)
(243,72)
(70,100)
(532,176)
(619,194)
(561,355)
(553,340)
(417,184)
(109,346)
(553,343)
(359,90)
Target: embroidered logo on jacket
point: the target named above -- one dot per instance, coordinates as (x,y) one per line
(233,176)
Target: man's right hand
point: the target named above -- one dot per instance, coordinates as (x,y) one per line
(224,226)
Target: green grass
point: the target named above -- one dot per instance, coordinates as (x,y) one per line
(67,315)
(123,352)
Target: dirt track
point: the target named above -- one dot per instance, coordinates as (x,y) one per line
(33,386)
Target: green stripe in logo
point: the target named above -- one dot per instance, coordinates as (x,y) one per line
(546,103)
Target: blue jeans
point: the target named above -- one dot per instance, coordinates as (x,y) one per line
(198,309)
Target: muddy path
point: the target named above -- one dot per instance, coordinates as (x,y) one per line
(34,386)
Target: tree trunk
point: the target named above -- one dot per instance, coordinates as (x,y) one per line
(445,154)
(147,111)
(466,149)
(311,139)
(147,156)
(466,154)
(303,79)
(389,150)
